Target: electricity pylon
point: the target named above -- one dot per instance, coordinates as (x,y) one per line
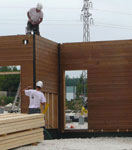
(86,16)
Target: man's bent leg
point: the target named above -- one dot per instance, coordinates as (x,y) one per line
(28,28)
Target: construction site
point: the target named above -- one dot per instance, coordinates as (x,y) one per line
(87,91)
(108,67)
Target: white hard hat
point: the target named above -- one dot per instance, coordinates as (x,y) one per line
(39,6)
(39,84)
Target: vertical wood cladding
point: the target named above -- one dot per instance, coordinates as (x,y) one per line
(109,66)
(14,52)
(47,71)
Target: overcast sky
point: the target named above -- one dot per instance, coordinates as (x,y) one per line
(112,19)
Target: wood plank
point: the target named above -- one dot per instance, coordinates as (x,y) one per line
(9,141)
(55,111)
(21,133)
(21,141)
(50,111)
(21,118)
(8,73)
(15,123)
(46,114)
(21,127)
(9,115)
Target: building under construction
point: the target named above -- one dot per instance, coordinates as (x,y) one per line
(108,66)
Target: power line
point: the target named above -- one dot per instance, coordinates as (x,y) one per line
(55,20)
(113,11)
(74,24)
(109,26)
(67,8)
(58,20)
(44,20)
(116,25)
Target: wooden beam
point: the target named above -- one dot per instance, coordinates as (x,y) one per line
(20,141)
(20,129)
(18,134)
(8,73)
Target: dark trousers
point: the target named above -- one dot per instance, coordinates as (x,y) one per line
(34,28)
(33,110)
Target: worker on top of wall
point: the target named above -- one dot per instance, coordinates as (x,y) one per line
(36,97)
(35,17)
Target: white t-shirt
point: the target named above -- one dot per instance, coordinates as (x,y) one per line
(36,97)
(34,15)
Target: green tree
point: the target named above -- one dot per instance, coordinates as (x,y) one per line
(80,83)
(9,82)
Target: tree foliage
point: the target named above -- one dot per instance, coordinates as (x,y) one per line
(9,83)
(81,90)
(80,83)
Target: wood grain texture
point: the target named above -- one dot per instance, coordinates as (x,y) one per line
(109,81)
(55,111)
(47,64)
(51,115)
(20,129)
(14,52)
(47,71)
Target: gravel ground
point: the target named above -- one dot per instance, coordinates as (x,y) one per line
(83,144)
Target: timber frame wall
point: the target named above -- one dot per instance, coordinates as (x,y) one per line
(47,71)
(109,77)
(38,59)
(109,66)
(14,52)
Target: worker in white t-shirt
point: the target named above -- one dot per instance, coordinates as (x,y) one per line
(36,98)
(35,17)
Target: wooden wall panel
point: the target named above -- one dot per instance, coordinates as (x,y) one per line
(14,52)
(47,112)
(55,111)
(86,55)
(47,64)
(50,110)
(26,80)
(51,115)
(109,80)
(47,71)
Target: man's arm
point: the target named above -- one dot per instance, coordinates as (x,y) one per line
(43,104)
(40,20)
(28,88)
(28,16)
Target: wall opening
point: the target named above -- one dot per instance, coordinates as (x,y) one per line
(25,42)
(10,89)
(76,100)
